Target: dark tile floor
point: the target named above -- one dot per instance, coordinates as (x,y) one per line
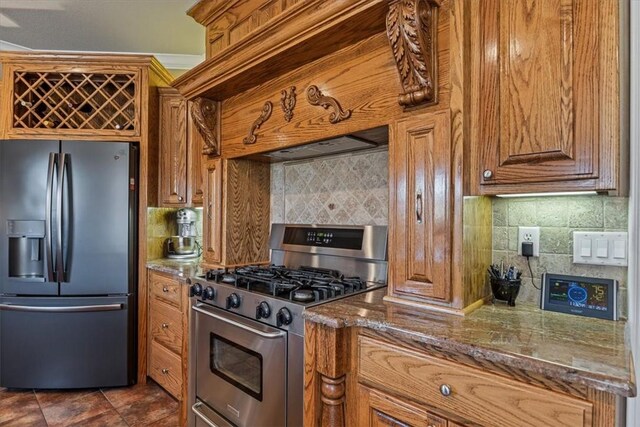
(139,405)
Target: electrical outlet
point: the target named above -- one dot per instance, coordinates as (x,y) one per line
(529,234)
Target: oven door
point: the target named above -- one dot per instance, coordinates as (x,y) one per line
(241,368)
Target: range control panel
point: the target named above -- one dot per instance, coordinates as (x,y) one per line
(324,237)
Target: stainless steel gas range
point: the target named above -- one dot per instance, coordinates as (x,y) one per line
(247,332)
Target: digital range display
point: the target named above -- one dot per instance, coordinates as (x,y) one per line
(324,237)
(592,296)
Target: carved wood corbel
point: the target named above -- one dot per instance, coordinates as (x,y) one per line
(204,113)
(264,116)
(411,28)
(288,103)
(316,97)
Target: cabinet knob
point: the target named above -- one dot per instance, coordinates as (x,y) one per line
(180,198)
(165,289)
(165,371)
(487,174)
(165,325)
(445,390)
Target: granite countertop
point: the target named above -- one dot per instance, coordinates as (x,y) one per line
(580,350)
(184,269)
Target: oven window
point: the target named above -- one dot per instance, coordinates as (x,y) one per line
(237,365)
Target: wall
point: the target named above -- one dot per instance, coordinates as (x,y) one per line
(557,217)
(342,189)
(161,223)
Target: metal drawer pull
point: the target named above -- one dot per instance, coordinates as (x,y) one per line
(165,289)
(487,174)
(68,309)
(195,409)
(165,371)
(445,390)
(165,325)
(239,325)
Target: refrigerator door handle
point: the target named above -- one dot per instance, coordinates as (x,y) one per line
(48,247)
(59,261)
(68,309)
(66,218)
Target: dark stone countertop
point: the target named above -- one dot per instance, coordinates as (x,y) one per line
(579,350)
(180,269)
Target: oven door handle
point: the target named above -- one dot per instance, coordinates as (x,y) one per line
(270,335)
(196,410)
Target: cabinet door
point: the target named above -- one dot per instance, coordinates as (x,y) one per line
(377,409)
(213,211)
(173,150)
(195,181)
(544,91)
(420,192)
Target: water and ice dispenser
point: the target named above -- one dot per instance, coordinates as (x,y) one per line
(26,250)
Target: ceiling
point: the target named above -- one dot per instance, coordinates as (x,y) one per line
(140,26)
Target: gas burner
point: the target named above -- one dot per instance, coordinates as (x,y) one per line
(303,295)
(228,278)
(302,285)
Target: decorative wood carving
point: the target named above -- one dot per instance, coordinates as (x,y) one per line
(288,103)
(333,398)
(264,116)
(204,113)
(412,28)
(316,97)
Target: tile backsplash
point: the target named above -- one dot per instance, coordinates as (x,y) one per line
(342,189)
(161,223)
(557,218)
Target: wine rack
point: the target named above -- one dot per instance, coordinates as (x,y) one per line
(66,100)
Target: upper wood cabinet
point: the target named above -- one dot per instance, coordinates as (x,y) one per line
(420,224)
(545,95)
(181,182)
(77,96)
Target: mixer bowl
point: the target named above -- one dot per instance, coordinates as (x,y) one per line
(181,245)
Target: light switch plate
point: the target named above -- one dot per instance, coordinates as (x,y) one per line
(600,247)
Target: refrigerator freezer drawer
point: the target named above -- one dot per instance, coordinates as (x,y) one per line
(54,342)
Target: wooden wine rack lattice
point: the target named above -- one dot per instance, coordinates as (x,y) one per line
(58,100)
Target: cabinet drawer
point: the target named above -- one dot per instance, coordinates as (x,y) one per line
(380,410)
(166,369)
(479,397)
(166,326)
(166,289)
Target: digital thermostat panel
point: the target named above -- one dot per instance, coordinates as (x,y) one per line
(584,296)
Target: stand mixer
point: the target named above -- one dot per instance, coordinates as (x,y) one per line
(184,245)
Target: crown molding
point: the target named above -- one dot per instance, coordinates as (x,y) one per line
(171,61)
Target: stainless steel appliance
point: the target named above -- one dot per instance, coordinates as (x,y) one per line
(184,245)
(247,331)
(68,215)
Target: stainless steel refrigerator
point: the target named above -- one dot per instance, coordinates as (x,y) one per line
(68,214)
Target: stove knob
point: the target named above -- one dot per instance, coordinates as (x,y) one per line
(284,317)
(209,293)
(233,301)
(263,311)
(196,290)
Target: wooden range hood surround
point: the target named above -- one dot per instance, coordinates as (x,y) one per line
(354,65)
(307,31)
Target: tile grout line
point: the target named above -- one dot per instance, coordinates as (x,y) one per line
(40,407)
(115,409)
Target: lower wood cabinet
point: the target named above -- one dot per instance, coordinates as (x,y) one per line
(391,381)
(167,335)
(473,395)
(378,409)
